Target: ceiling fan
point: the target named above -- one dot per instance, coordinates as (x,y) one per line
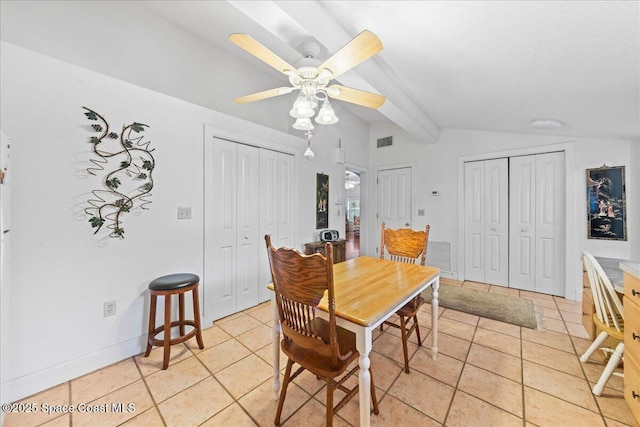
(351,179)
(312,81)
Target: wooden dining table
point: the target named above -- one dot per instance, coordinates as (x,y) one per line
(367,292)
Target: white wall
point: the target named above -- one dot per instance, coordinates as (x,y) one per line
(60,272)
(633,195)
(436,168)
(5,297)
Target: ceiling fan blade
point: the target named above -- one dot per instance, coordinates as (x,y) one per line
(362,47)
(263,95)
(355,96)
(249,44)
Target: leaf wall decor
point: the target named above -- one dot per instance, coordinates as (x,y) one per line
(128,183)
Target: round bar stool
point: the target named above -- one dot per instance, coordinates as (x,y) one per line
(167,286)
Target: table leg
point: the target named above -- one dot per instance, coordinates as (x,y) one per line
(434,317)
(363,344)
(276,348)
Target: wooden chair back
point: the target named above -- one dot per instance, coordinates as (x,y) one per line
(404,244)
(609,308)
(300,282)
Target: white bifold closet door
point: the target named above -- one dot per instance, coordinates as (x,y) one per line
(487,221)
(515,222)
(537,223)
(276,209)
(247,195)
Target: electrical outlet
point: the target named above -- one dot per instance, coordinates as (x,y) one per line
(184,213)
(109,308)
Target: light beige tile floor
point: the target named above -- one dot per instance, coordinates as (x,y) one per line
(487,373)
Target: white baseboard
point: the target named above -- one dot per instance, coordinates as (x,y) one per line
(448,275)
(27,385)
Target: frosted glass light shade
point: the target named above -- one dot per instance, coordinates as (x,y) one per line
(303,108)
(326,115)
(303,124)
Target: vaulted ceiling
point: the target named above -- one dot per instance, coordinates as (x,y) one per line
(463,64)
(480,65)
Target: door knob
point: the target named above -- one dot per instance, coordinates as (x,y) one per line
(246,237)
(494,229)
(524,230)
(406,223)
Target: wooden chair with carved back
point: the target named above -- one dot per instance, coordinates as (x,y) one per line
(405,245)
(317,345)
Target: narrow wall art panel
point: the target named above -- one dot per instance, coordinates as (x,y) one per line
(322,201)
(606,203)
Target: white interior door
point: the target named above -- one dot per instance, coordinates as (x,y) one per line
(268,213)
(248,226)
(474,227)
(286,197)
(394,198)
(496,241)
(220,229)
(550,223)
(249,192)
(537,192)
(276,209)
(522,232)
(486,221)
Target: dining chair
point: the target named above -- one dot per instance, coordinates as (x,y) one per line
(608,317)
(405,245)
(317,345)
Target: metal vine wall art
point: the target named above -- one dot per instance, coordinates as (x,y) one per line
(128,183)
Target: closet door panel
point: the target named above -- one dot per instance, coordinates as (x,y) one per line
(550,214)
(522,199)
(248,214)
(285,198)
(474,214)
(220,229)
(276,209)
(268,215)
(496,184)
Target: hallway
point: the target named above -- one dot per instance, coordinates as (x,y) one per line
(352,246)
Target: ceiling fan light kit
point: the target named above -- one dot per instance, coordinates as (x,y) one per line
(312,81)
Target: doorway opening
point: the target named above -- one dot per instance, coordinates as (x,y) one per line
(352,213)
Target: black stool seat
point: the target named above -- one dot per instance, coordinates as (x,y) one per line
(174,281)
(167,286)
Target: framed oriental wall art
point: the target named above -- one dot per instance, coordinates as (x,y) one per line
(606,203)
(322,201)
